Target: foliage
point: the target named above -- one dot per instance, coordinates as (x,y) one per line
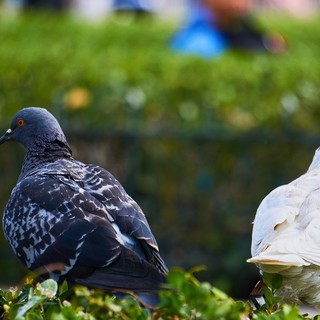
(121,75)
(183,297)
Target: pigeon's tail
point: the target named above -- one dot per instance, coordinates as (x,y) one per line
(148,299)
(127,274)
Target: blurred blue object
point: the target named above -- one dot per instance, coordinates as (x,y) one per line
(199,36)
(133,5)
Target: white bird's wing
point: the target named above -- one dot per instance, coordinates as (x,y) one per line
(286,229)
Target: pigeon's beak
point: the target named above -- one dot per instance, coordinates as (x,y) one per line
(6,136)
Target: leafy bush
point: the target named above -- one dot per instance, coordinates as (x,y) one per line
(183,297)
(122,75)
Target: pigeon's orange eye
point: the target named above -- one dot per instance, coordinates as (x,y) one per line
(20,122)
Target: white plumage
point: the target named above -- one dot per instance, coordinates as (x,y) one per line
(286,235)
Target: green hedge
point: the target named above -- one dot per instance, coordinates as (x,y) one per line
(127,70)
(198,143)
(183,297)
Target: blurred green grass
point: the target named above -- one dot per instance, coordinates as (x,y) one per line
(126,66)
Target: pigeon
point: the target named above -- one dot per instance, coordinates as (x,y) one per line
(286,236)
(73,221)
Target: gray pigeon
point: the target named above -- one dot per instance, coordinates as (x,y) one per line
(74,221)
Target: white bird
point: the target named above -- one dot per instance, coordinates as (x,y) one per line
(286,236)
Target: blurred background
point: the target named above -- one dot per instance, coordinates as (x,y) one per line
(199,108)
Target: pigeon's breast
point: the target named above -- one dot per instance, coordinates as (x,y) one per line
(27,227)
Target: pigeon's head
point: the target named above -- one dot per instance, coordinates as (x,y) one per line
(34,128)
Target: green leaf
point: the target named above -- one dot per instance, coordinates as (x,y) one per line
(267,279)
(219,294)
(276,281)
(33,302)
(273,280)
(63,287)
(48,288)
(268,296)
(177,277)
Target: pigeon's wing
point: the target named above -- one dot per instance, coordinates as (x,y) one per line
(128,216)
(286,224)
(62,229)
